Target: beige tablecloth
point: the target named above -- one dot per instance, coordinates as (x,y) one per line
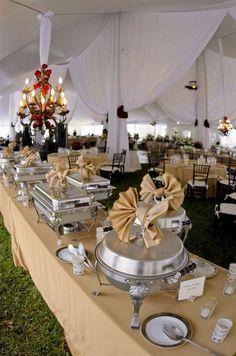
(100,326)
(97,160)
(184,173)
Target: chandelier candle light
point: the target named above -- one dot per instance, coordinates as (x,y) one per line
(43,107)
(225,126)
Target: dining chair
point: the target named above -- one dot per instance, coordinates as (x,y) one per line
(228,185)
(72,158)
(156,163)
(197,187)
(113,170)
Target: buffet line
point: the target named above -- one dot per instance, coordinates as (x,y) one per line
(138,247)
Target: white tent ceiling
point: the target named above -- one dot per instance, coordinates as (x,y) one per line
(75,25)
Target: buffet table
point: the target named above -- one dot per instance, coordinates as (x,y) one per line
(100,326)
(184,173)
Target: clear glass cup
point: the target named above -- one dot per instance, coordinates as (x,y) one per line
(78,265)
(221,330)
(25,201)
(207,307)
(6,180)
(229,287)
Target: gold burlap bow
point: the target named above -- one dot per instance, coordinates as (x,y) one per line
(87,169)
(126,209)
(26,151)
(172,189)
(8,151)
(31,159)
(56,177)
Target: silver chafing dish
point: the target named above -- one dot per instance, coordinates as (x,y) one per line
(141,271)
(63,210)
(177,222)
(98,186)
(33,174)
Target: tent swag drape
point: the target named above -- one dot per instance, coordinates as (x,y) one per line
(144,72)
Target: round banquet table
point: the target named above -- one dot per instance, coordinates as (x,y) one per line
(184,173)
(62,160)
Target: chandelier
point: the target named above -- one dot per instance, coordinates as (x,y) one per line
(42,108)
(224,126)
(192,85)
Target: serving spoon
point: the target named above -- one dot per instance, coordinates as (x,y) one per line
(176,334)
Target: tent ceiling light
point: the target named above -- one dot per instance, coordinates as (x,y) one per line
(224,126)
(192,85)
(43,107)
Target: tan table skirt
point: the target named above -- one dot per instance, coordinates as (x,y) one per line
(100,326)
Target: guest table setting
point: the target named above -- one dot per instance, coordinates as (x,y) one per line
(183,171)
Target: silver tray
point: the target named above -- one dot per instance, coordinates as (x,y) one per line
(71,198)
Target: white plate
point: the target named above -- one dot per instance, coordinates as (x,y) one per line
(64,255)
(204,268)
(152,329)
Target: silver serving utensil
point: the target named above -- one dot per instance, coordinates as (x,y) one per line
(73,251)
(174,333)
(92,267)
(82,252)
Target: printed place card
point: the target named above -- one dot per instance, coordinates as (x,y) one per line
(191,288)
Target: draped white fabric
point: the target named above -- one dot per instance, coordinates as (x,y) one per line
(215,87)
(178,102)
(45,36)
(95,76)
(144,71)
(72,98)
(58,70)
(13,109)
(156,49)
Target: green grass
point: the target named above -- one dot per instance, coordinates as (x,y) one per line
(27,326)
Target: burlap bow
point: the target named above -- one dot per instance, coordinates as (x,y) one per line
(172,188)
(8,151)
(126,209)
(56,177)
(26,151)
(31,159)
(87,169)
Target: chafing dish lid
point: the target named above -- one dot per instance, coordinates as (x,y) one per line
(135,259)
(70,194)
(93,180)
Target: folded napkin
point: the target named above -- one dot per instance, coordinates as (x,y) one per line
(87,169)
(172,189)
(125,210)
(56,177)
(26,151)
(31,159)
(8,151)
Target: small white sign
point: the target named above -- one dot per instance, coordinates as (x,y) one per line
(191,288)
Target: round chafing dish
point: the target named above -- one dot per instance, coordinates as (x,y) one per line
(141,271)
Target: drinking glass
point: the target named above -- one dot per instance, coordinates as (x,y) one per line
(221,330)
(207,307)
